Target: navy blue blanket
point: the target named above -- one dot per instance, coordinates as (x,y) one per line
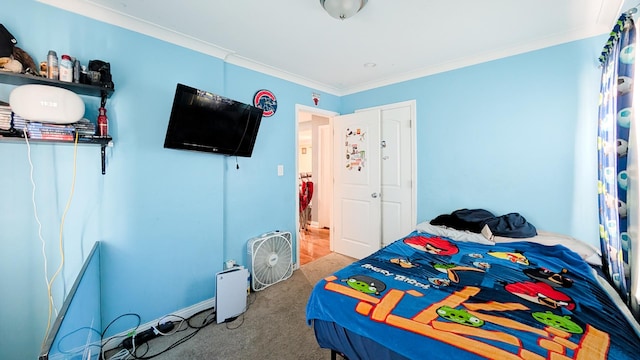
(511,225)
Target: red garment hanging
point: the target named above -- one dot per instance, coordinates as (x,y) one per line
(306,193)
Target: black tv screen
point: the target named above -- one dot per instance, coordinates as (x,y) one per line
(203,121)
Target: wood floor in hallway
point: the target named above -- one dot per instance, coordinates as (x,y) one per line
(314,244)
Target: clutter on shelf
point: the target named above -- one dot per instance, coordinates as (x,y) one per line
(66,69)
(47,85)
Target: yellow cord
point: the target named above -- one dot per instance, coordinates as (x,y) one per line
(64,215)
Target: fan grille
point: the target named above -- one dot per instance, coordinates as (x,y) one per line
(271,259)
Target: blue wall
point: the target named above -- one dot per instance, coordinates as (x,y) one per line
(512,135)
(166,218)
(517,134)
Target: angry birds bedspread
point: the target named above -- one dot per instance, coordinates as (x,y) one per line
(426,296)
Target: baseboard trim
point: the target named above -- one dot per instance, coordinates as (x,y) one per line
(182,313)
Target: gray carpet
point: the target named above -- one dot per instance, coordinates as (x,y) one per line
(317,270)
(273,327)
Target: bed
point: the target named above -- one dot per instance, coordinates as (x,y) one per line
(443,293)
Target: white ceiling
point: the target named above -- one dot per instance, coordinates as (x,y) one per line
(298,41)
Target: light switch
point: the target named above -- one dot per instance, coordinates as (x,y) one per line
(280,170)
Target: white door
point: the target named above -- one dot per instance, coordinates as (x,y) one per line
(356,202)
(396,165)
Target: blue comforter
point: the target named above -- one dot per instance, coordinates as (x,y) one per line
(426,296)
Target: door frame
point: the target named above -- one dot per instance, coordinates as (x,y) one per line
(314,111)
(330,114)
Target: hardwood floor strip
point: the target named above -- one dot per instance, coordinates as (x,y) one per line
(314,244)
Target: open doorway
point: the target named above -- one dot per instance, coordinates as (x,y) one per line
(314,183)
(396,190)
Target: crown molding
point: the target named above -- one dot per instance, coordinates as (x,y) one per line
(482,58)
(605,20)
(112,17)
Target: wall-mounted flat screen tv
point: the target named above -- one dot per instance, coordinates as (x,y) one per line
(203,121)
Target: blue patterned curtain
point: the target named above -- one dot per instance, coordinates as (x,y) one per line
(614,120)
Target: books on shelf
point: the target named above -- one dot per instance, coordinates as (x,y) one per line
(45,131)
(84,127)
(5,116)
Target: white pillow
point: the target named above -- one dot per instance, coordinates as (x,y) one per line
(587,252)
(451,233)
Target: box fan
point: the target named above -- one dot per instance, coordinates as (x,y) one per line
(270,259)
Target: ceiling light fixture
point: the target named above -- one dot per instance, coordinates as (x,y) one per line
(343,9)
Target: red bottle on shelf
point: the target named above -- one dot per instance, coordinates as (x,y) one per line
(103,128)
